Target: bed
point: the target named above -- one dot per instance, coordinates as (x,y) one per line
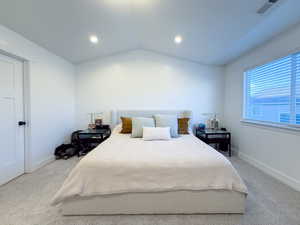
(127,175)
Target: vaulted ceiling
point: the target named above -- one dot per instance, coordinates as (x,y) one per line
(213,31)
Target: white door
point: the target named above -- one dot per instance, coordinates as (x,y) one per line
(11,112)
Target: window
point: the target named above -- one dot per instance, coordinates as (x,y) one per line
(272,91)
(285,118)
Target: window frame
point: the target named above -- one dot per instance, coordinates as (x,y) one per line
(294,127)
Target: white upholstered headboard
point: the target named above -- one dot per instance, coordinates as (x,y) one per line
(115,115)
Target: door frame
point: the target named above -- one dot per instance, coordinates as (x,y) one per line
(26,108)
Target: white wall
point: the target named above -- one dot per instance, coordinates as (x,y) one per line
(274,150)
(51,81)
(145,80)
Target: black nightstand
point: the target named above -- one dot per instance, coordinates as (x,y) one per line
(91,138)
(212,136)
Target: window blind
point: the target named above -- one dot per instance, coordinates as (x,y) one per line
(272,91)
(297,87)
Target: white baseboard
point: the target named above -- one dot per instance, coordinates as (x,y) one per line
(234,151)
(293,183)
(40,164)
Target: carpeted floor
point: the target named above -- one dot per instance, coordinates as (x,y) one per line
(25,201)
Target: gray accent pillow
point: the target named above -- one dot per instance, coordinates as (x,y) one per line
(167,121)
(137,126)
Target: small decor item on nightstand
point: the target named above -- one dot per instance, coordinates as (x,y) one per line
(98,120)
(215,122)
(91,124)
(201,126)
(212,122)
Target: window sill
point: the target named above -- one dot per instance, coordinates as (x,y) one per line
(271,125)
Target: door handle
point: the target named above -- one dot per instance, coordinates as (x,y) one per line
(21,123)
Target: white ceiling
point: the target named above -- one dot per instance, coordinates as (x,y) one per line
(214,31)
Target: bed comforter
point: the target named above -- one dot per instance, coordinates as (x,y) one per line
(125,165)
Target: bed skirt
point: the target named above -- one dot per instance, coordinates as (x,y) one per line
(174,202)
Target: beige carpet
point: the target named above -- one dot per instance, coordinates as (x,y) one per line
(25,201)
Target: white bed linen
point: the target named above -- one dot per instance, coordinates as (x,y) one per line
(129,165)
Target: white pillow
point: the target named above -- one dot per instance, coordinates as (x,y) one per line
(156,133)
(137,126)
(167,121)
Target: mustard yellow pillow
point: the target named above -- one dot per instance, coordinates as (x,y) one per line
(183,125)
(126,125)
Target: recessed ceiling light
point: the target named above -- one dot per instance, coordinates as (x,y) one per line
(94,39)
(178,39)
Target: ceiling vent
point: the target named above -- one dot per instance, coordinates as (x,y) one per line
(267,6)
